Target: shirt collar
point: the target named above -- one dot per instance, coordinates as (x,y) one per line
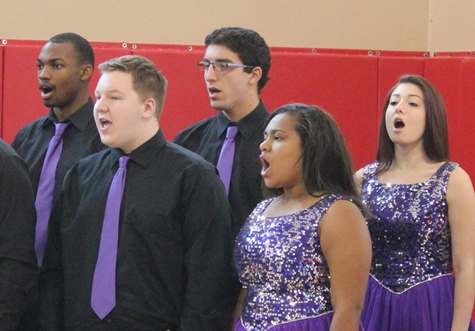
(247,125)
(144,154)
(80,118)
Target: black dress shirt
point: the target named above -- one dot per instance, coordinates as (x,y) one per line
(206,139)
(18,268)
(80,139)
(173,269)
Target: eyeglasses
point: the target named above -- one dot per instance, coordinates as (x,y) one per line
(220,66)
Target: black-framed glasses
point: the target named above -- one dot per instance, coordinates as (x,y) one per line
(220,66)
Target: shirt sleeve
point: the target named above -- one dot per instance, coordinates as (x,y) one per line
(179,138)
(210,295)
(18,266)
(17,141)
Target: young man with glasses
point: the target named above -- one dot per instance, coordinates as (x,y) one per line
(236,66)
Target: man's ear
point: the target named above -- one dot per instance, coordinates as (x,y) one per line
(150,108)
(86,72)
(255,75)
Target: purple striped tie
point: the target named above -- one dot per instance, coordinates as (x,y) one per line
(44,195)
(103,284)
(226,158)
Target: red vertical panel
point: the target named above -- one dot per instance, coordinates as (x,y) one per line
(445,74)
(21,97)
(465,134)
(344,85)
(186,101)
(1,90)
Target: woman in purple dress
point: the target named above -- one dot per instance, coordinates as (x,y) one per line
(310,229)
(423,221)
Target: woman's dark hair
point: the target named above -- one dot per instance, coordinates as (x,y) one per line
(327,165)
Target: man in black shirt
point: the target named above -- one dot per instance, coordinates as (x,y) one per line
(18,269)
(236,66)
(65,65)
(174,239)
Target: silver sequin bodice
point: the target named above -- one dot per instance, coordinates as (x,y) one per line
(409,229)
(281,264)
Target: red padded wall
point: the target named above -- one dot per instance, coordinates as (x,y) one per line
(445,74)
(465,134)
(1,90)
(21,97)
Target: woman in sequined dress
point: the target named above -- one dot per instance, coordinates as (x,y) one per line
(309,229)
(423,219)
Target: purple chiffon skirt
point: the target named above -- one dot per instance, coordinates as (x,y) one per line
(425,307)
(320,323)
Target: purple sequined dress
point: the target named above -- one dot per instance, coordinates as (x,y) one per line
(411,287)
(280,263)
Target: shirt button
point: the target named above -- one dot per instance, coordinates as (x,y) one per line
(109,320)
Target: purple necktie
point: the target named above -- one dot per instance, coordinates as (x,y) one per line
(44,195)
(226,158)
(103,284)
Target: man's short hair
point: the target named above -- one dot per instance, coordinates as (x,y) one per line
(248,45)
(82,47)
(147,80)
